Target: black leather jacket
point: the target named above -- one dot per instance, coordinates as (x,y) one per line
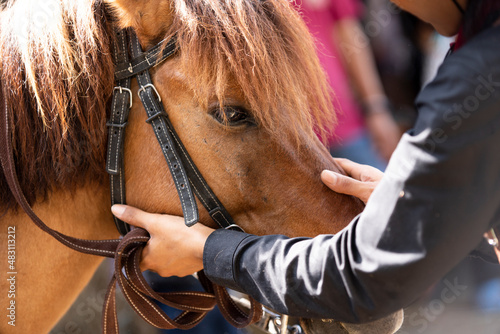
(440,193)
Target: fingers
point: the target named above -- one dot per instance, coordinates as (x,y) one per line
(360,172)
(144,265)
(351,168)
(347,185)
(134,216)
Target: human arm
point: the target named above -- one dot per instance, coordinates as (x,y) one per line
(439,195)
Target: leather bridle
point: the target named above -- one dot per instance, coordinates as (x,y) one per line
(127,250)
(186,175)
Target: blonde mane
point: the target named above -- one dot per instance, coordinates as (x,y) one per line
(57,76)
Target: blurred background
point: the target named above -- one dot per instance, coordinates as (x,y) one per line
(377,59)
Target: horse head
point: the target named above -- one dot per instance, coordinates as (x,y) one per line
(245,93)
(244,101)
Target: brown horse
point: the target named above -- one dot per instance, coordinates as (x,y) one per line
(261,156)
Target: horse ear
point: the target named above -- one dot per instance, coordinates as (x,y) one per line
(149,18)
(125,11)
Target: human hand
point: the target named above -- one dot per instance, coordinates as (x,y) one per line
(360,182)
(173,249)
(383,131)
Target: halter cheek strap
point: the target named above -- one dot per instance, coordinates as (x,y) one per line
(187,178)
(120,107)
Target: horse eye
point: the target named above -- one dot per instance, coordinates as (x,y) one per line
(232,116)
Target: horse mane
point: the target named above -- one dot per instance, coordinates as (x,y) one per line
(57,74)
(57,78)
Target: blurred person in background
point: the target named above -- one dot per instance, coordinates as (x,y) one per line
(394,39)
(366,131)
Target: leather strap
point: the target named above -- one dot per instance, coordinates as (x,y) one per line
(172,145)
(156,117)
(141,297)
(203,191)
(180,163)
(120,107)
(94,247)
(145,61)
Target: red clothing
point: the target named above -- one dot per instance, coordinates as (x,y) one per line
(320,17)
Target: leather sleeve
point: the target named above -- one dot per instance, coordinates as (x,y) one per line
(440,193)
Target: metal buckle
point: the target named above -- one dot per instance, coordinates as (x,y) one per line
(274,323)
(271,322)
(284,324)
(282,327)
(146,86)
(121,89)
(234,227)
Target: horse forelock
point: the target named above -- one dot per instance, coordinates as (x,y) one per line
(266,48)
(262,45)
(57,77)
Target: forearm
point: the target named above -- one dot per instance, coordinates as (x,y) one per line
(389,255)
(439,195)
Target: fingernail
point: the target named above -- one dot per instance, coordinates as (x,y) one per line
(329,176)
(118,209)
